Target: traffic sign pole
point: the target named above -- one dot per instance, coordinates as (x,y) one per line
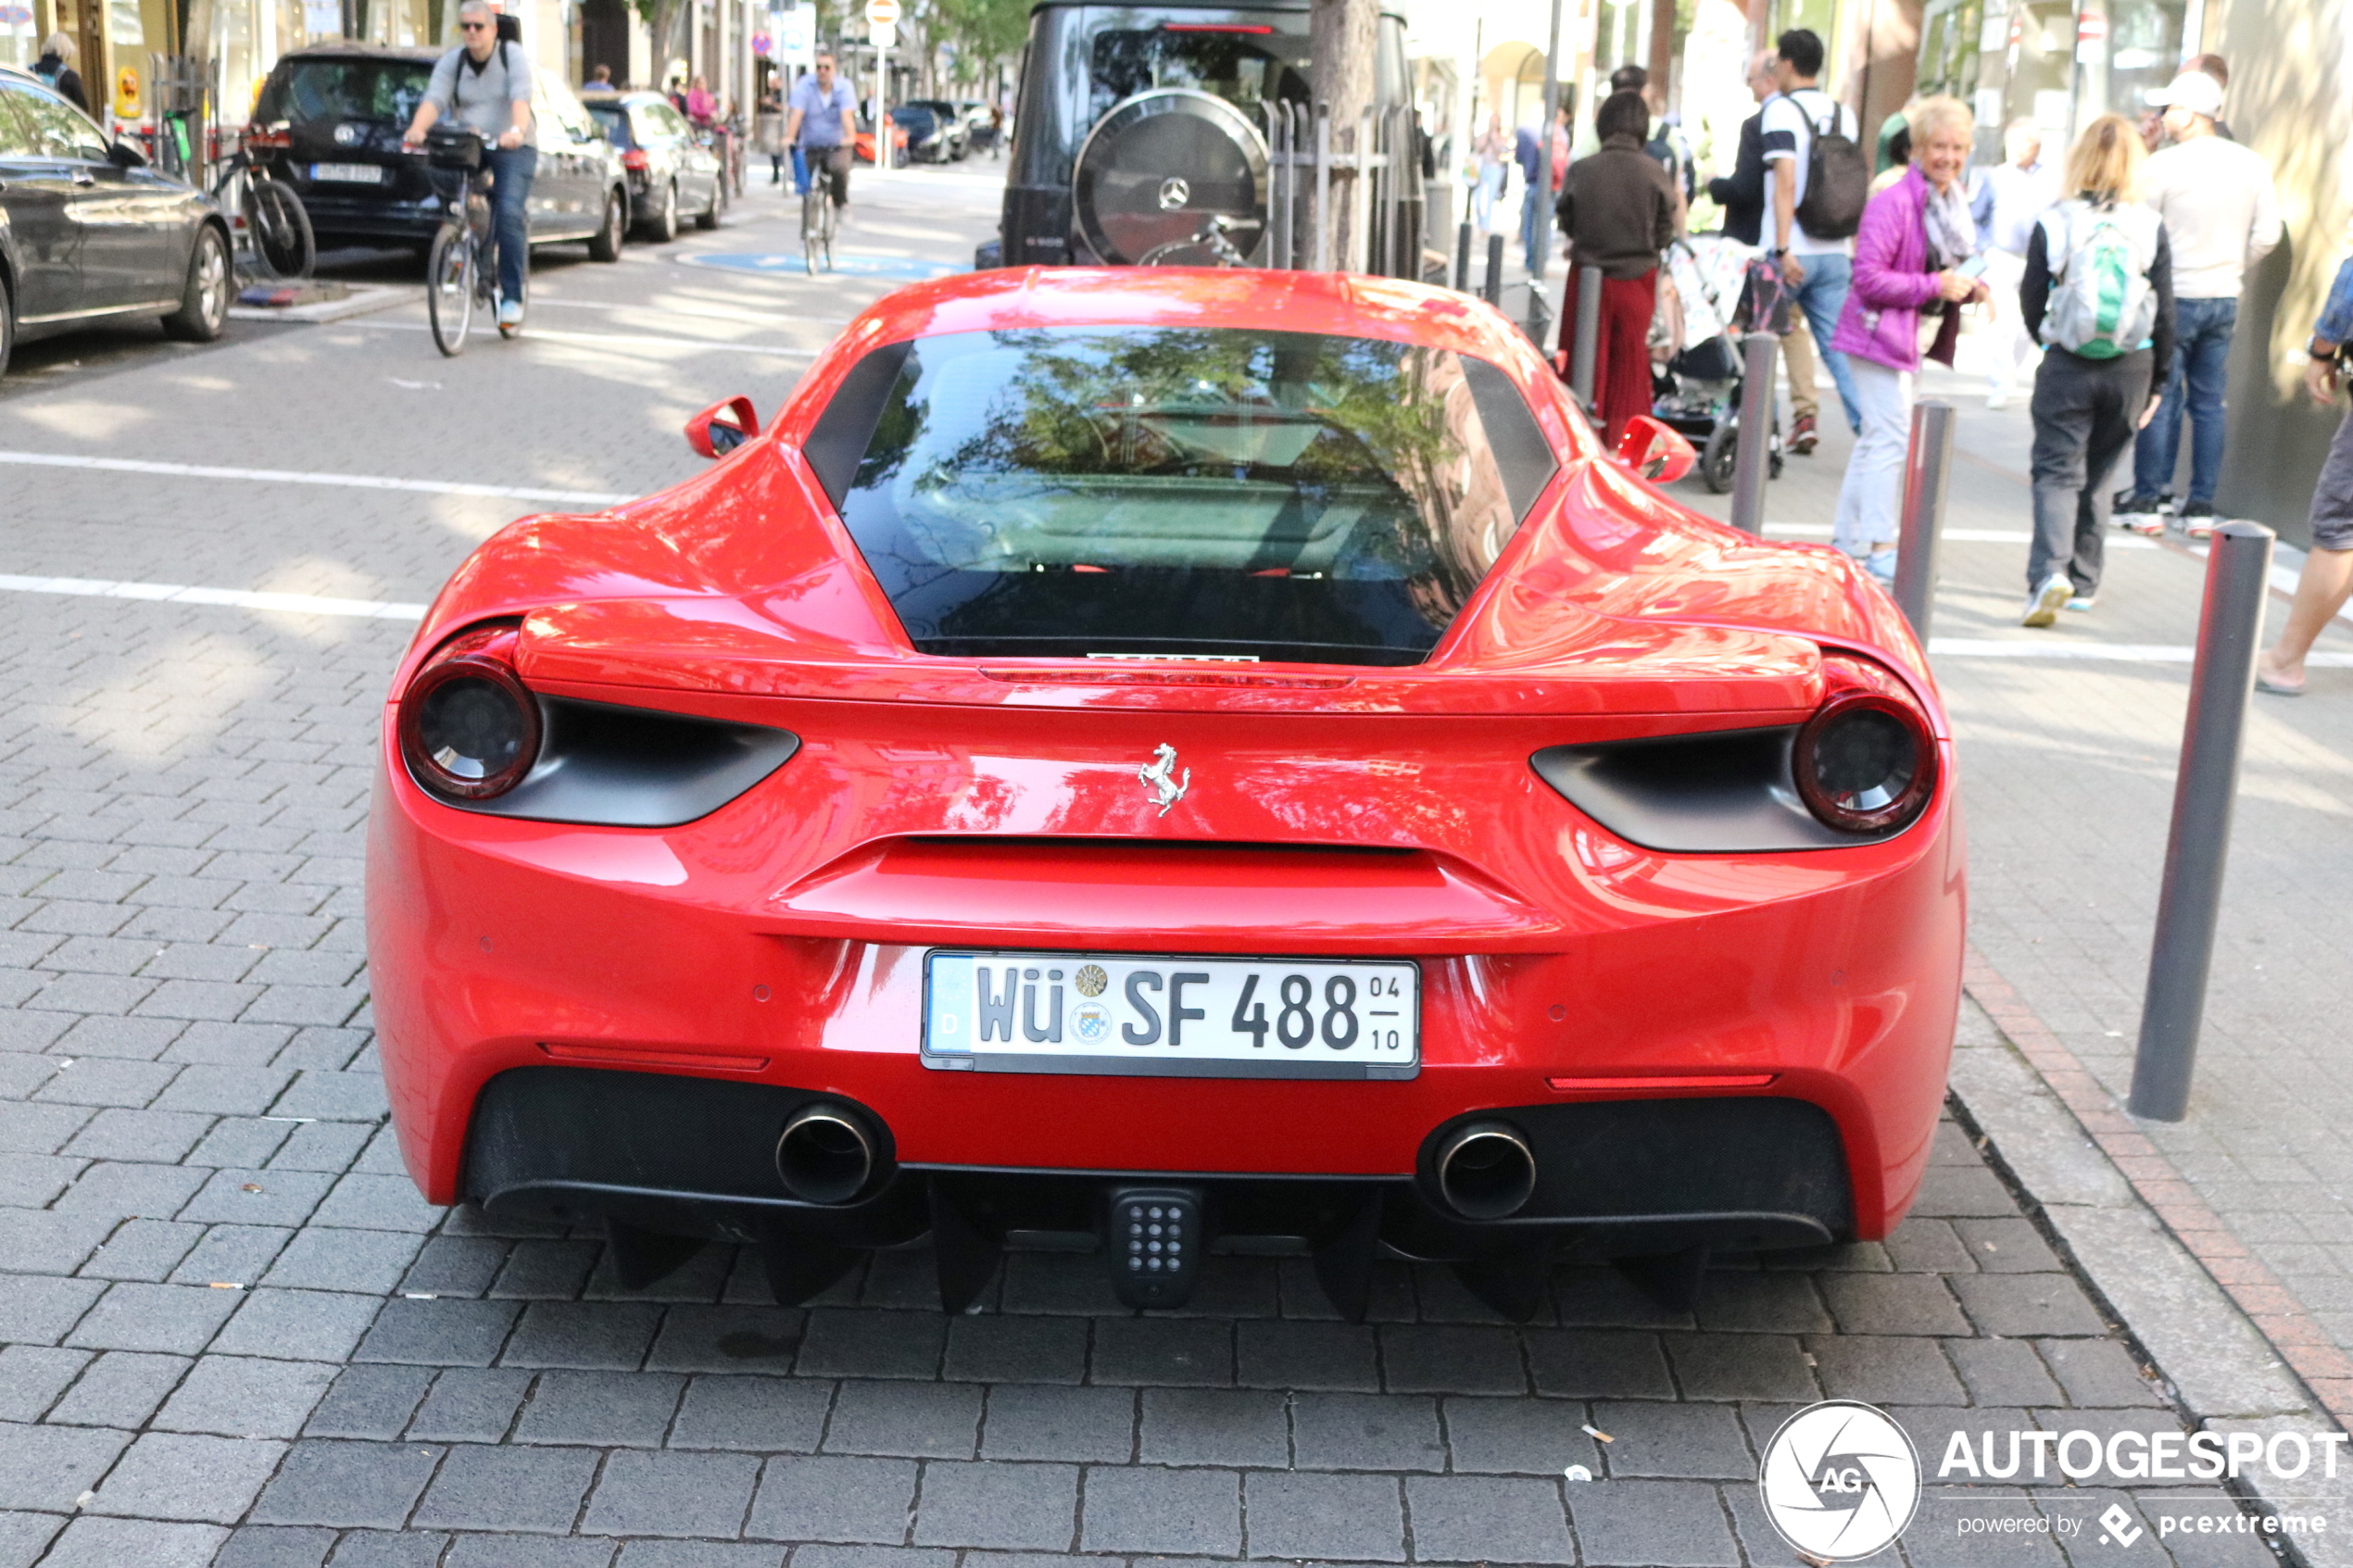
(882,26)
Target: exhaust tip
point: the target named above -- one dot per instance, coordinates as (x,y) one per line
(825,1154)
(1486,1170)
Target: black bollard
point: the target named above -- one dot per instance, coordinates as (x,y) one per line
(1589,331)
(1494,291)
(1928,471)
(1753,457)
(2189,903)
(1462,258)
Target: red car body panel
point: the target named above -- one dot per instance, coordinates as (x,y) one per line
(976,802)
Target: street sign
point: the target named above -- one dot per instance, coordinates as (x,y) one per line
(762,44)
(883,35)
(882,13)
(795,33)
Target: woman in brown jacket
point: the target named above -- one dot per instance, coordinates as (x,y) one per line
(1618,211)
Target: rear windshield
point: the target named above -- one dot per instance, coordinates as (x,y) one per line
(1247,68)
(615,119)
(1214,493)
(387,91)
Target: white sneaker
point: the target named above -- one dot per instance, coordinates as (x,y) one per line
(2044,608)
(1997,400)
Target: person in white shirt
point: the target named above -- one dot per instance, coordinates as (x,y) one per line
(2011,197)
(2221,216)
(1819,271)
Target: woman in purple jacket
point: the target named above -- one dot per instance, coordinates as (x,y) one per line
(1910,282)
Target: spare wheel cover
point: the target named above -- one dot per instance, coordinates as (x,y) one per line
(1159,164)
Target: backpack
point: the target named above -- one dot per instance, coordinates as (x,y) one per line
(1838,180)
(2101,304)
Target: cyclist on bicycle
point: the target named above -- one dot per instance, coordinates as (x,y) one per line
(486,83)
(823,125)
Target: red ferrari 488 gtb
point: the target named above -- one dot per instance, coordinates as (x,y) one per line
(1168,756)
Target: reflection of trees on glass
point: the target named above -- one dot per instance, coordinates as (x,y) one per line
(1332,477)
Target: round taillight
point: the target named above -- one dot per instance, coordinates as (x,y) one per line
(1866,762)
(469,727)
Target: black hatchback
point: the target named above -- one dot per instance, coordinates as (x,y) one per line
(329,122)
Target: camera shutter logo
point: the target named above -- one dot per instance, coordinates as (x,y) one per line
(1840,1481)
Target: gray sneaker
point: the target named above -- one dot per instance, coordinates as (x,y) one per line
(2044,608)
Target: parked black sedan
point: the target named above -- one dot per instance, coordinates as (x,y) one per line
(671,172)
(329,122)
(90,234)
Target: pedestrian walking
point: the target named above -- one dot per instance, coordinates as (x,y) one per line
(2099,291)
(2326,581)
(1529,151)
(1618,210)
(1494,151)
(2221,216)
(1915,266)
(55,68)
(1820,180)
(2013,194)
(1743,197)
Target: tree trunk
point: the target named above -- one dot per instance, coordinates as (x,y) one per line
(1340,46)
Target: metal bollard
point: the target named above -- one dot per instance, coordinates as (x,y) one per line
(1753,457)
(1928,471)
(1462,258)
(1589,332)
(2230,628)
(1494,291)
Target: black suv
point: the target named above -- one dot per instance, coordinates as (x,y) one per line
(1137,124)
(329,123)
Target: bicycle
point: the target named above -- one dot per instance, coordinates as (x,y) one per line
(273,229)
(460,269)
(820,217)
(1208,247)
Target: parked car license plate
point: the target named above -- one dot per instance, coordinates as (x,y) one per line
(348,174)
(1174,1016)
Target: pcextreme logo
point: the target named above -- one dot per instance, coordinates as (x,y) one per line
(1840,1480)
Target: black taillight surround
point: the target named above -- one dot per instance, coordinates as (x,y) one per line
(1747,791)
(590,762)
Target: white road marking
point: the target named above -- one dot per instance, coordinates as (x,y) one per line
(234,598)
(609,340)
(290,476)
(2125,653)
(693,311)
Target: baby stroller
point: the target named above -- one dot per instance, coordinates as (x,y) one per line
(1695,364)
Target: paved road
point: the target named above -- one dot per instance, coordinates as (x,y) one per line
(234,1334)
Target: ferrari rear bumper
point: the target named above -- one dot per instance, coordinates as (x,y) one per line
(657,1155)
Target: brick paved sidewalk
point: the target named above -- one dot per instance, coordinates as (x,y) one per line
(2068,767)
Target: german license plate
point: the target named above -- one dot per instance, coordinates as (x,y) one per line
(1183,1016)
(348,174)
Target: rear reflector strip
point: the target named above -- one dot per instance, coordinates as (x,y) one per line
(1719,1080)
(639,1056)
(1099,677)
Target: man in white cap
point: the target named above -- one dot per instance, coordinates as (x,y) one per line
(2221,216)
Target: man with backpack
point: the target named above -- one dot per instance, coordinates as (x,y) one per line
(486,83)
(2221,216)
(1820,180)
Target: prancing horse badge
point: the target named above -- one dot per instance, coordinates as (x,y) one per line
(1161,773)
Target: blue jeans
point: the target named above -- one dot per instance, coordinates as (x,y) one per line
(2201,357)
(1531,226)
(1822,295)
(510,175)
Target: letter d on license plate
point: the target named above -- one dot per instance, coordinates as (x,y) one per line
(1184,1016)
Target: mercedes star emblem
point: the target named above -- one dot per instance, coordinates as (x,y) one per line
(1174,193)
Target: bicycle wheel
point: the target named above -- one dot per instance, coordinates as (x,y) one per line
(449,289)
(827,224)
(813,210)
(278,229)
